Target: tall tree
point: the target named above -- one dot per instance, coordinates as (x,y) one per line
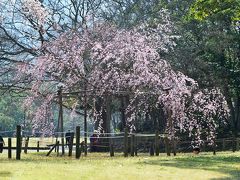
(218,34)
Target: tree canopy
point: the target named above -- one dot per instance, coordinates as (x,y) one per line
(154,59)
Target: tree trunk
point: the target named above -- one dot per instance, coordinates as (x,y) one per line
(107,120)
(98,107)
(124,104)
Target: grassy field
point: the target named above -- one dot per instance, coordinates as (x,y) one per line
(225,165)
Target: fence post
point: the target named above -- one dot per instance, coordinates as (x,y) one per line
(55,150)
(132,144)
(174,146)
(204,146)
(223,144)
(77,142)
(167,147)
(9,148)
(151,149)
(234,143)
(18,143)
(157,143)
(135,145)
(39,146)
(125,142)
(26,145)
(214,147)
(62,141)
(57,145)
(111,148)
(71,144)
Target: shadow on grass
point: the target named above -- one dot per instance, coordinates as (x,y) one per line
(5,174)
(222,164)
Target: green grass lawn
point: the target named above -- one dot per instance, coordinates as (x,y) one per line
(225,165)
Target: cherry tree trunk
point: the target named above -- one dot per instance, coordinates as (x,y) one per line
(108,114)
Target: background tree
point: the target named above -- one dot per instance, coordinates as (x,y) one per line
(217,33)
(11,113)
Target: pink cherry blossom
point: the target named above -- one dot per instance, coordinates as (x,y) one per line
(113,61)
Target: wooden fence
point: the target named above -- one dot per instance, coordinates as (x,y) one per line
(129,143)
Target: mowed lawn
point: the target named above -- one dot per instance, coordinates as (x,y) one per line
(99,166)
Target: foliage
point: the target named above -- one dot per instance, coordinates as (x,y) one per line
(7,123)
(70,44)
(11,113)
(227,9)
(217,27)
(104,60)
